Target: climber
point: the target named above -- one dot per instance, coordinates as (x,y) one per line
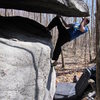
(66,35)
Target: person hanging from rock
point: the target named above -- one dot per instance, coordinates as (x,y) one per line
(66,35)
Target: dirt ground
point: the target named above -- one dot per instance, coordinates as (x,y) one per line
(67,74)
(74,66)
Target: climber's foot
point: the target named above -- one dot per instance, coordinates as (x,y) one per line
(54,63)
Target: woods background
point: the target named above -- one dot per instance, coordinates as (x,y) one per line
(79,51)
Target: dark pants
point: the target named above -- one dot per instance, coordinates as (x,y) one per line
(63,36)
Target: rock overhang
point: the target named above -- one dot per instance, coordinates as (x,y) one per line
(17,27)
(69,8)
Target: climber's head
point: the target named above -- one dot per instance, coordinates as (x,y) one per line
(85,20)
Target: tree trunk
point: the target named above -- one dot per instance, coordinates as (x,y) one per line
(62,56)
(98,48)
(90,56)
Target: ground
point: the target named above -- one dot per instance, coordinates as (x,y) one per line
(74,65)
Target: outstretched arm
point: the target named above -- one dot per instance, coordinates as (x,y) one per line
(82,25)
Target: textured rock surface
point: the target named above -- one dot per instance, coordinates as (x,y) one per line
(25,69)
(70,8)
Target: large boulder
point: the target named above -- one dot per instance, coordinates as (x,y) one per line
(71,8)
(25,68)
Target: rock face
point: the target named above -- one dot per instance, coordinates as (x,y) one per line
(70,8)
(25,68)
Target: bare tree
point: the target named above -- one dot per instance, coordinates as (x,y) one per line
(98,48)
(62,56)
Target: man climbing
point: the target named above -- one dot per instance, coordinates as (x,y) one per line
(66,35)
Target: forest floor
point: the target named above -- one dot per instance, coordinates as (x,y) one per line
(74,66)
